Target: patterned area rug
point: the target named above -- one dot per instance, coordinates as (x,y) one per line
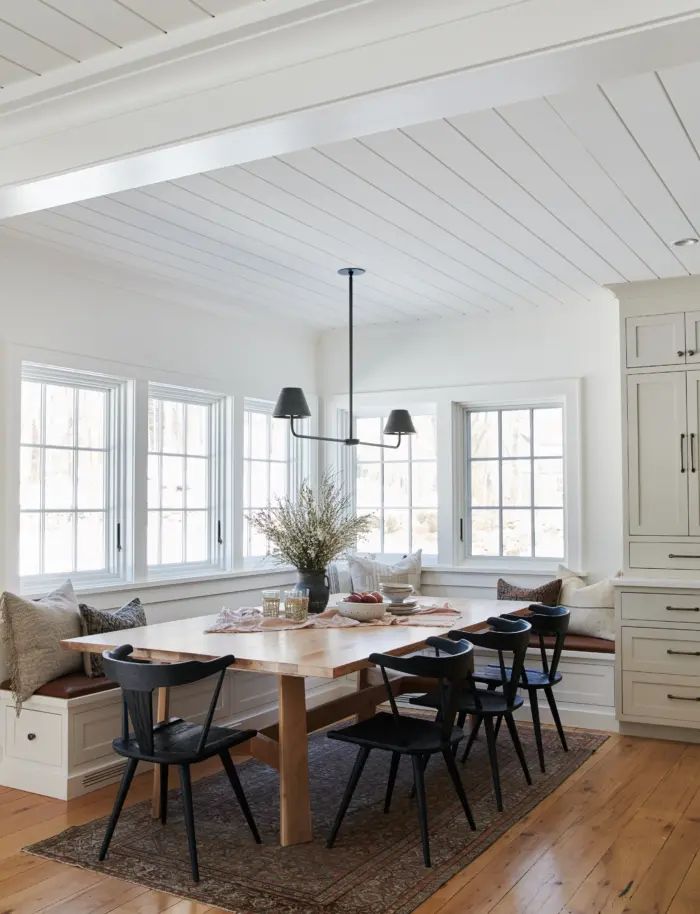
(376,864)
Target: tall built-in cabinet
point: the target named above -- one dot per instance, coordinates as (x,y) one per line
(658,596)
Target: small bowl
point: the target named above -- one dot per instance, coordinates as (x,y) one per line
(395,588)
(361,612)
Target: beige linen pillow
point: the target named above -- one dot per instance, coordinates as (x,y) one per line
(591,606)
(31,632)
(367,573)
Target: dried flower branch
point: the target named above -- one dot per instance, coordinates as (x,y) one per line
(310,531)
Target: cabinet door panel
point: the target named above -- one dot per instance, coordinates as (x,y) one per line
(692,337)
(655,339)
(657,454)
(693,380)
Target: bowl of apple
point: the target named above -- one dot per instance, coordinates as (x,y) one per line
(363,607)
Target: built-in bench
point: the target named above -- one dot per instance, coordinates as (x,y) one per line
(61,743)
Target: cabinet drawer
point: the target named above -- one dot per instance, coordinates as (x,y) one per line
(34,736)
(651,650)
(661,607)
(680,555)
(661,698)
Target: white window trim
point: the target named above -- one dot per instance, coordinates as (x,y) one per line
(449,404)
(218,519)
(116,489)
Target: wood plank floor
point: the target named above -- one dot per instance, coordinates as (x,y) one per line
(621,836)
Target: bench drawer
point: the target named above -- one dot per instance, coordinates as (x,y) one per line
(679,555)
(651,650)
(34,736)
(661,607)
(661,698)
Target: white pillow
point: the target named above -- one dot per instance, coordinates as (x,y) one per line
(368,573)
(591,606)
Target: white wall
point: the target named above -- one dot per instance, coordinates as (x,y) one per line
(539,344)
(66,305)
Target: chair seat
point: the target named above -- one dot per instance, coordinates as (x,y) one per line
(537,679)
(408,735)
(489,702)
(176,742)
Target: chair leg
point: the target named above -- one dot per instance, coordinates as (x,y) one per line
(418,769)
(230,769)
(470,741)
(493,759)
(127,778)
(515,736)
(412,794)
(360,760)
(535,709)
(163,794)
(496,729)
(555,714)
(395,759)
(186,784)
(459,787)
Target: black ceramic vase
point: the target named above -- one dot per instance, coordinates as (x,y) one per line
(319,591)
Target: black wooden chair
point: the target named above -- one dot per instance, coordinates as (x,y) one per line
(173,742)
(552,621)
(415,737)
(504,637)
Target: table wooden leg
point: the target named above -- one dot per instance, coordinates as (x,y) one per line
(362,684)
(162,713)
(295,806)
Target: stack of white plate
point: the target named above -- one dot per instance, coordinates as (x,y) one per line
(399,599)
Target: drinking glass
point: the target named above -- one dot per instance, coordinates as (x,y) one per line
(271,603)
(296,604)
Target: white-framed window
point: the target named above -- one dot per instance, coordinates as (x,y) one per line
(398,487)
(185,492)
(72,460)
(515,487)
(273,465)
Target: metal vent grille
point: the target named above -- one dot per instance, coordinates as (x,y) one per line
(104,775)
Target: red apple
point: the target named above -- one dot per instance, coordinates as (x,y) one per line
(354,598)
(377,597)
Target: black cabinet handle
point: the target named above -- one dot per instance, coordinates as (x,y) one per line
(682,697)
(684,653)
(31,736)
(219,538)
(687,555)
(682,609)
(119,537)
(682,452)
(461,529)
(691,352)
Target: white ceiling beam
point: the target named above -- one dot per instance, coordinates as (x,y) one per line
(388,70)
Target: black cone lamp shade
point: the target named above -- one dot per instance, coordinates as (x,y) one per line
(399,423)
(291,403)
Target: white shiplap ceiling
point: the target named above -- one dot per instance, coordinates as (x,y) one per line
(38,37)
(541,202)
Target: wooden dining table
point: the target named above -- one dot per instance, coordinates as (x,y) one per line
(293,656)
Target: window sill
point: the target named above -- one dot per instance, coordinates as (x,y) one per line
(164,581)
(536,570)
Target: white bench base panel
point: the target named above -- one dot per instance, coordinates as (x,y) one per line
(62,748)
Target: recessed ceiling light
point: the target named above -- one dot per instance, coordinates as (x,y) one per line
(684,242)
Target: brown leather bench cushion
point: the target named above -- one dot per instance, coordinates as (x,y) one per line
(74,685)
(579,643)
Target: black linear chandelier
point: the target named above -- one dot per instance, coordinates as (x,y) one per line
(291,403)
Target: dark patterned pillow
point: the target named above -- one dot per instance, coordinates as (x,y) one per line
(547,593)
(96,621)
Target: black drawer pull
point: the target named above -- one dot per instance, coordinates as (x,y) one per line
(684,653)
(688,555)
(31,736)
(682,697)
(683,609)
